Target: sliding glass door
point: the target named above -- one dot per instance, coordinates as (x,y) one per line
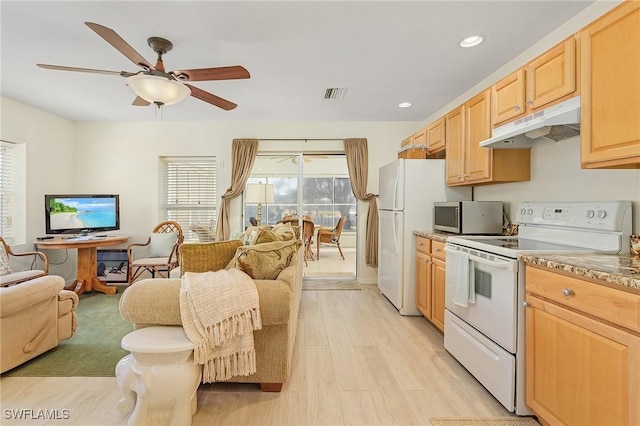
(315,186)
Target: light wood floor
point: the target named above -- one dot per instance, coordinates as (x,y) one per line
(356,362)
(331,263)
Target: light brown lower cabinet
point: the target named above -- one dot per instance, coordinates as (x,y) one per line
(430,280)
(582,368)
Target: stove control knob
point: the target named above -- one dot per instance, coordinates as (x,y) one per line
(602,214)
(523,211)
(530,212)
(590,214)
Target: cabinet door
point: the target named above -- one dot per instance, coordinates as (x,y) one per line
(419,138)
(610,88)
(423,284)
(579,371)
(438,290)
(455,139)
(436,136)
(508,98)
(478,160)
(552,75)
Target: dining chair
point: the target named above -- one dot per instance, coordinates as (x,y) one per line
(331,236)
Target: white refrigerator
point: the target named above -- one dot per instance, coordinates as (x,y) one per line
(408,189)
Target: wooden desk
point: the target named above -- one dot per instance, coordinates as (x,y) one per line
(87,277)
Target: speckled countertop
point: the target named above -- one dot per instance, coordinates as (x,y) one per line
(621,269)
(615,269)
(434,235)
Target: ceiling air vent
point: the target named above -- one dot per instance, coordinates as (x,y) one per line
(335,93)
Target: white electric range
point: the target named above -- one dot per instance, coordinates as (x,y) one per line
(485,288)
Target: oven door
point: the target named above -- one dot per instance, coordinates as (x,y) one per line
(488,284)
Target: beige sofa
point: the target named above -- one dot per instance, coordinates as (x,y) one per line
(157,302)
(35,316)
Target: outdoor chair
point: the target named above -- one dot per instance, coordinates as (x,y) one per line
(326,236)
(163,252)
(307,236)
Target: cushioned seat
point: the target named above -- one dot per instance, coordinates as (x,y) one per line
(35,315)
(152,302)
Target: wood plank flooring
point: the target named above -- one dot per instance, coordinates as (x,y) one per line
(356,362)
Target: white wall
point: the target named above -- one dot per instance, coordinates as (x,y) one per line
(556,176)
(122,158)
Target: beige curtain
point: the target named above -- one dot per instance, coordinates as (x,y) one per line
(357,154)
(243,155)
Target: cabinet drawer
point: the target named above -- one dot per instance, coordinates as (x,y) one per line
(423,245)
(615,306)
(437,250)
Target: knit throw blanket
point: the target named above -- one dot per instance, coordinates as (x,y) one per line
(219,312)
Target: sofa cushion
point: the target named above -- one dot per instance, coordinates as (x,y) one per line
(265,261)
(5,268)
(162,244)
(285,231)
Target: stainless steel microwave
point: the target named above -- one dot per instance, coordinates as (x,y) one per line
(468,217)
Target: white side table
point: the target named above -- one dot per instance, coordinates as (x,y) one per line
(158,379)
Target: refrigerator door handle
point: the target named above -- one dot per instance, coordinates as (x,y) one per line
(395,192)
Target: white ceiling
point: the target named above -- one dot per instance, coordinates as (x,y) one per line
(384,52)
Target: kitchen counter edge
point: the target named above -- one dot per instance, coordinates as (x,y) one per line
(617,269)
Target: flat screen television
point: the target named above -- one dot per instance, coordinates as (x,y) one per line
(81,213)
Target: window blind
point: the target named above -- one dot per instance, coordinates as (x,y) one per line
(8,194)
(188,192)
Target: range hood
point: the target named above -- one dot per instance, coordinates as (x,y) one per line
(557,122)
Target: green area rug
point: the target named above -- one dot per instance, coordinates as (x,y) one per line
(93,351)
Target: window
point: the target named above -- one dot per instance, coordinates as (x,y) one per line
(13,192)
(325,199)
(188,192)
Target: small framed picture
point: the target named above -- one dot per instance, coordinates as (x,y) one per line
(113,265)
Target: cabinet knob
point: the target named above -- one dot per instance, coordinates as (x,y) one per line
(526,304)
(516,107)
(529,102)
(567,292)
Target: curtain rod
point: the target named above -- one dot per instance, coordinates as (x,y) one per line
(301,139)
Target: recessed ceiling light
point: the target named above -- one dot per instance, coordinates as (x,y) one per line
(471,41)
(405,105)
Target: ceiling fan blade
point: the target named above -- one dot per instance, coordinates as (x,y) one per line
(118,42)
(138,101)
(207,74)
(63,68)
(211,98)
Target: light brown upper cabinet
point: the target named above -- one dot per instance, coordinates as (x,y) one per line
(469,164)
(436,136)
(547,79)
(610,87)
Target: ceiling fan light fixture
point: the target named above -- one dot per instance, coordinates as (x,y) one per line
(157,89)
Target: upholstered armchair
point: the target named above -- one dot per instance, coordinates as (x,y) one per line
(35,315)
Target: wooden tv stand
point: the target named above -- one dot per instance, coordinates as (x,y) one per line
(87,278)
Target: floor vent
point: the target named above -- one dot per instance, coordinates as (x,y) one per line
(335,93)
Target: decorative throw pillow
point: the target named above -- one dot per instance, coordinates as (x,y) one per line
(266,236)
(285,231)
(162,244)
(265,261)
(5,268)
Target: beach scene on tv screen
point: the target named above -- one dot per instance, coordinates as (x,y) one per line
(72,213)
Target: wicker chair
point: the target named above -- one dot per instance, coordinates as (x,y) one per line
(307,236)
(163,252)
(15,277)
(326,236)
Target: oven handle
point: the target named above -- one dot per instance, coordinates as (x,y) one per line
(502,264)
